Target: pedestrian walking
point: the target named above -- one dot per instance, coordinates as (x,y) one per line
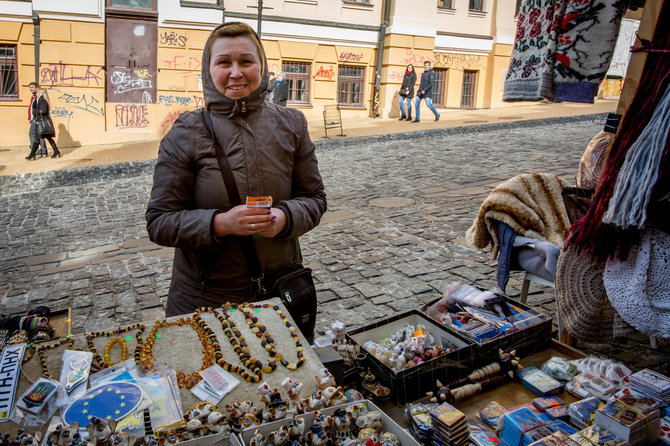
(270,154)
(281,92)
(425,91)
(41,125)
(272,84)
(407,92)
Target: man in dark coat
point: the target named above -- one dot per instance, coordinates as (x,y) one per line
(281,91)
(425,91)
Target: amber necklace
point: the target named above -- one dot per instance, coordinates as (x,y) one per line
(43,360)
(209,350)
(101,334)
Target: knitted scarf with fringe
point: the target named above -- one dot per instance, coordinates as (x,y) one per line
(589,234)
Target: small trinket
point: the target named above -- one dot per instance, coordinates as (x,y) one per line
(78,375)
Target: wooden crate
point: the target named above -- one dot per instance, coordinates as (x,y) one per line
(61,322)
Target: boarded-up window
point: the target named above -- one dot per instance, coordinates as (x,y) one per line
(350,85)
(439,87)
(468,91)
(9,78)
(298,77)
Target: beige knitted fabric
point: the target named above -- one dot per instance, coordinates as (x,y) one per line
(639,288)
(593,161)
(531,204)
(585,308)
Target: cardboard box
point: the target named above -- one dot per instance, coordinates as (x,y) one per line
(61,322)
(388,425)
(413,383)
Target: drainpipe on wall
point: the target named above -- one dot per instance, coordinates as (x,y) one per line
(223,11)
(36,35)
(374,110)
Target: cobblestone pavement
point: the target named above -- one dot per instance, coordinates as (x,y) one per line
(393,237)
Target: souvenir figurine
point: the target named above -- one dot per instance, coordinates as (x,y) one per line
(4,439)
(193,429)
(171,437)
(99,430)
(150,440)
(239,408)
(278,408)
(317,436)
(23,438)
(325,379)
(217,423)
(325,421)
(63,435)
(279,437)
(334,396)
(296,429)
(293,388)
(371,420)
(122,439)
(389,439)
(336,333)
(366,434)
(257,439)
(344,422)
(314,402)
(247,420)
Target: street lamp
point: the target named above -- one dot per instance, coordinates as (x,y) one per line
(260,16)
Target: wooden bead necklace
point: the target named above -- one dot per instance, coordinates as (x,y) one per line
(108,350)
(241,348)
(43,360)
(102,334)
(205,334)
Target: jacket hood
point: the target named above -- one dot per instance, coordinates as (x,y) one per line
(220,104)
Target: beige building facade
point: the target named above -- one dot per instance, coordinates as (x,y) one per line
(123,70)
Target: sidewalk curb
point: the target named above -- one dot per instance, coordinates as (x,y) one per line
(35,182)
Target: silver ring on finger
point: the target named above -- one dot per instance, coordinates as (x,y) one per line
(252,227)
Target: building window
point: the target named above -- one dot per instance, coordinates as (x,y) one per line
(9,77)
(359,2)
(298,77)
(468,91)
(350,85)
(440,87)
(142,4)
(476,5)
(445,4)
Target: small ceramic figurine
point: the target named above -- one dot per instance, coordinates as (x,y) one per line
(171,437)
(257,439)
(194,428)
(217,423)
(366,434)
(122,439)
(325,379)
(293,387)
(63,435)
(296,429)
(314,402)
(279,437)
(317,436)
(344,423)
(334,396)
(23,438)
(371,420)
(99,430)
(389,439)
(247,420)
(325,421)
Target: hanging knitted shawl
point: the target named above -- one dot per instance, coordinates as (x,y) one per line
(562,49)
(606,240)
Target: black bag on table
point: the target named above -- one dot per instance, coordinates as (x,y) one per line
(293,285)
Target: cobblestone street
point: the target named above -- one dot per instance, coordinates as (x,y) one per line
(393,237)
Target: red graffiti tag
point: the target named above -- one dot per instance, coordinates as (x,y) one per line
(323,73)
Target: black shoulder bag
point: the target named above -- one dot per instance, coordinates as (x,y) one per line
(293,285)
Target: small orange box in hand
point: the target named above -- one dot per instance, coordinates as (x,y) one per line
(259,202)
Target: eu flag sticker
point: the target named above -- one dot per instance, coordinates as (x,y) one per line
(111,401)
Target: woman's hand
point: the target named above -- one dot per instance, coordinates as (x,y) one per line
(243,220)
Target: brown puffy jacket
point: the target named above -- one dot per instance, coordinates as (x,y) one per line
(270,152)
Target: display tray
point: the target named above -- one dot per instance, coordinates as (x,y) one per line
(525,341)
(410,384)
(388,425)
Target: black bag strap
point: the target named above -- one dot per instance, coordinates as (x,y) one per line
(235,200)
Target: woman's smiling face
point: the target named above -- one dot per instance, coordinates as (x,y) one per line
(235,66)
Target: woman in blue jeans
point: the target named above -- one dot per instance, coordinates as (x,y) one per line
(407,92)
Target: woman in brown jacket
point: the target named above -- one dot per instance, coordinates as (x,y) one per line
(270,153)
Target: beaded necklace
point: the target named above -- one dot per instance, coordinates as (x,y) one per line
(108,350)
(264,335)
(210,350)
(43,360)
(100,334)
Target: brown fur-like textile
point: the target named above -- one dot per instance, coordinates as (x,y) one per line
(531,204)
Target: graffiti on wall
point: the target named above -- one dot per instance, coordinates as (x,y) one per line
(131,116)
(60,75)
(169,119)
(324,73)
(351,57)
(84,102)
(395,75)
(124,82)
(185,101)
(173,39)
(446,60)
(182,63)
